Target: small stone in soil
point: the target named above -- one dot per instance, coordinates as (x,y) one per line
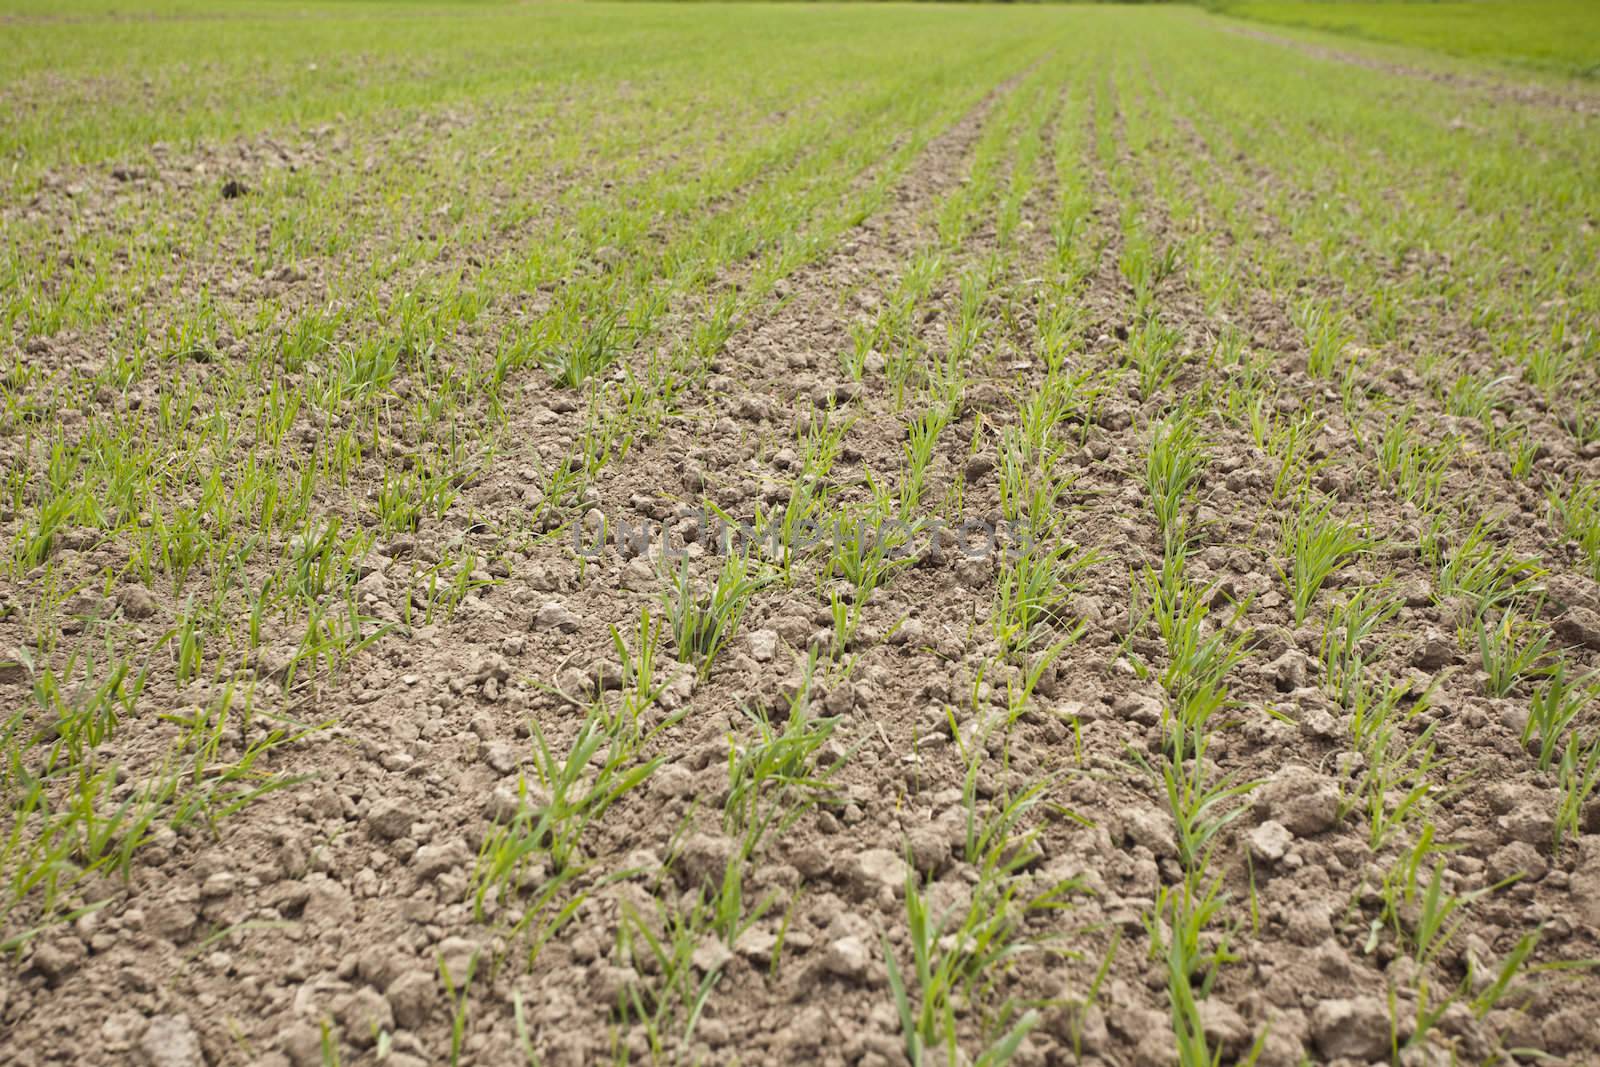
(763,645)
(1270,841)
(848,958)
(704,859)
(136,602)
(878,868)
(362,1014)
(555,615)
(411,996)
(391,819)
(1356,1029)
(170,1041)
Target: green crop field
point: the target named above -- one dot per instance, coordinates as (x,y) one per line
(1561,36)
(566,533)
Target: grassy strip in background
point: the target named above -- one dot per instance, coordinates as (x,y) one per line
(1560,36)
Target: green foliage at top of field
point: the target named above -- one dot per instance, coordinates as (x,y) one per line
(1561,36)
(90,81)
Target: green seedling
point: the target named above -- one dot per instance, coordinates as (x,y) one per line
(703,623)
(1316,543)
(1511,649)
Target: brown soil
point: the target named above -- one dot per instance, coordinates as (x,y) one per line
(338,900)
